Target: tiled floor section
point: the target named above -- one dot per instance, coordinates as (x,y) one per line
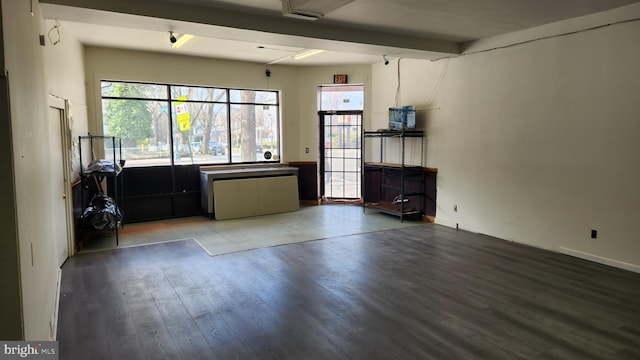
(221,237)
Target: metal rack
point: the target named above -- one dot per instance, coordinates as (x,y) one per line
(96,177)
(400,171)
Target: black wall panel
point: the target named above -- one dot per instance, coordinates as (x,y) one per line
(160,192)
(307,180)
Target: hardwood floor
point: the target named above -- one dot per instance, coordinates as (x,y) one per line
(425,292)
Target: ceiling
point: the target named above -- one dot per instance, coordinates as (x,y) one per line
(358,32)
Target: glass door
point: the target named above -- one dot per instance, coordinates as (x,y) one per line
(340,165)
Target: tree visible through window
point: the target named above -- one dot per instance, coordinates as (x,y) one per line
(160,124)
(130,120)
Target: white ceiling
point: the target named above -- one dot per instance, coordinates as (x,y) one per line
(358,32)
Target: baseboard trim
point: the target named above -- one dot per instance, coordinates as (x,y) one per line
(600,259)
(445,222)
(429,219)
(563,250)
(56,307)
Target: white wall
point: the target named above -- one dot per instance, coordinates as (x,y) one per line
(537,143)
(26,64)
(64,65)
(417,79)
(297,84)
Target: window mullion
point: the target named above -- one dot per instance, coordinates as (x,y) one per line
(229,135)
(172,145)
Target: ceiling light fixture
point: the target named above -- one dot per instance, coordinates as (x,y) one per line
(181,40)
(307,53)
(280,59)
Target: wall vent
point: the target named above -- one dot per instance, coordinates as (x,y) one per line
(310,9)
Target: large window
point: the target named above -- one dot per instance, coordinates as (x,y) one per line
(162,124)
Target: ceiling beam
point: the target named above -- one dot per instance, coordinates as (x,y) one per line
(331,36)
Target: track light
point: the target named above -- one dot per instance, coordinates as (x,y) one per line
(386,61)
(182,39)
(177,41)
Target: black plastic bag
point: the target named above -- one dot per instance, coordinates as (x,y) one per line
(102,213)
(102,166)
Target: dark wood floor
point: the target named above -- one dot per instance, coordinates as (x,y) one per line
(425,292)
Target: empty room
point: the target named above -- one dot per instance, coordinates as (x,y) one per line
(311,179)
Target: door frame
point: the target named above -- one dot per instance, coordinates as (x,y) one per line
(65,132)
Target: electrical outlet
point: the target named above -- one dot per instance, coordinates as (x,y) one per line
(306,150)
(594,234)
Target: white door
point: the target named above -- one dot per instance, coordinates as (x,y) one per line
(59,186)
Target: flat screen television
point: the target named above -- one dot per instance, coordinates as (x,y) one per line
(402,117)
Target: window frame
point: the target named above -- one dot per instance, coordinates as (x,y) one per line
(170,99)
